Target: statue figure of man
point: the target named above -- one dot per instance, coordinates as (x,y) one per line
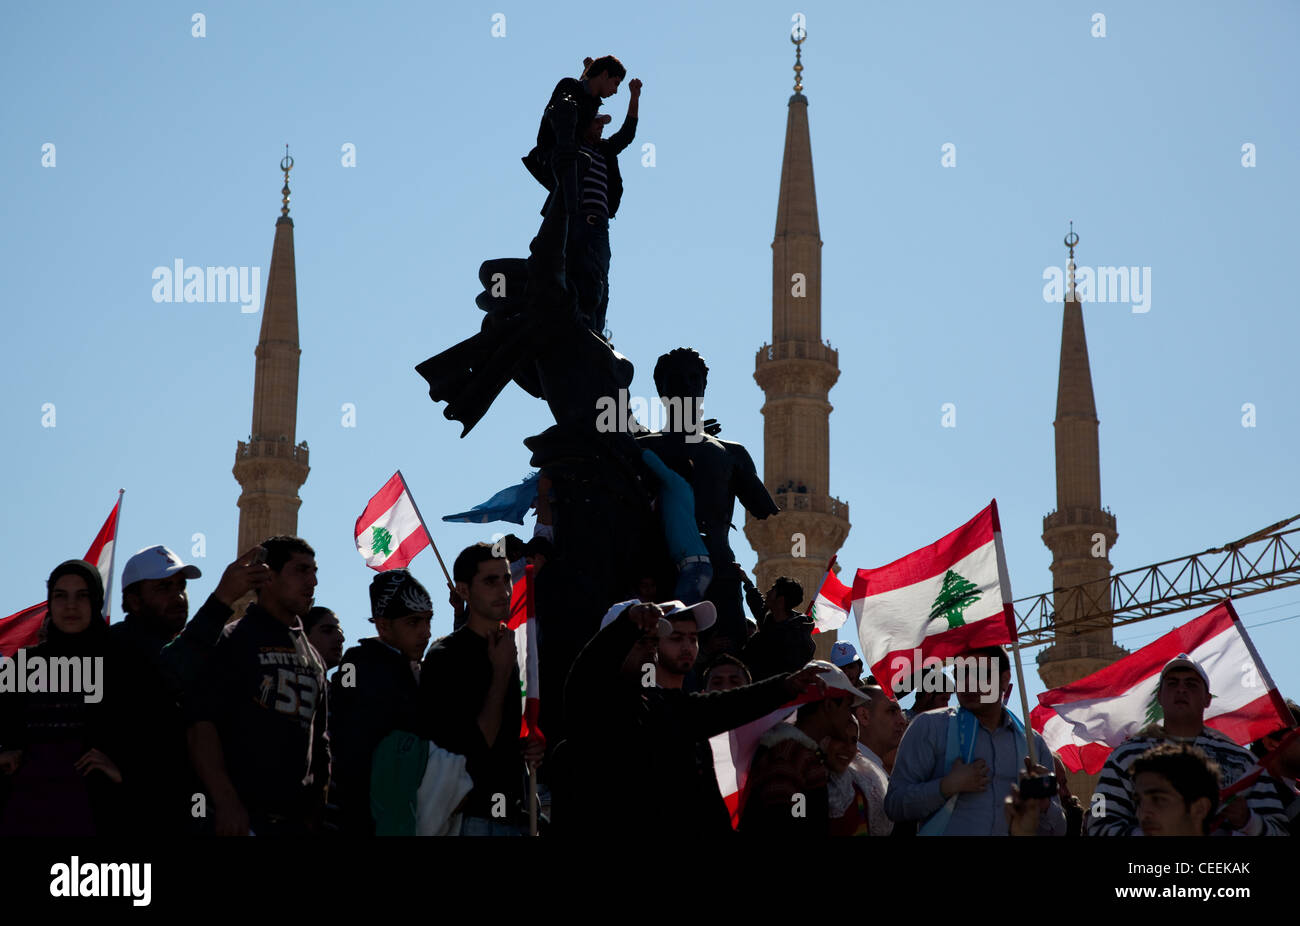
(722,472)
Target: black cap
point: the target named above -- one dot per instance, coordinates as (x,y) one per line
(397,593)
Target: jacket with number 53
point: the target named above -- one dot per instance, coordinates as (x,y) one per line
(266,694)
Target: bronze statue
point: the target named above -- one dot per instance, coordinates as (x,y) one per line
(721,472)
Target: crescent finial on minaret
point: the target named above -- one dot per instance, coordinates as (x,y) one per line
(1071,240)
(797,35)
(286,165)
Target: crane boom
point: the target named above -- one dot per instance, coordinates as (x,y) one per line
(1266,560)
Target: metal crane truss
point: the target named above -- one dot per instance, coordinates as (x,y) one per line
(1262,562)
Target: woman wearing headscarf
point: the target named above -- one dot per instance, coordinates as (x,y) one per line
(56,745)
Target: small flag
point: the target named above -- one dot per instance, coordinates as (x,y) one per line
(734,750)
(830,609)
(1083,721)
(523,621)
(23,629)
(389,532)
(510,504)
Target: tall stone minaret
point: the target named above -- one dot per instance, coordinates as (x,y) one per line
(796,372)
(1079,532)
(270,465)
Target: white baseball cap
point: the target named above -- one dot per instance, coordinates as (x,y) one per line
(1183,661)
(155,563)
(705,614)
(835,678)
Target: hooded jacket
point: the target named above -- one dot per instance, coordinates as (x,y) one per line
(780,646)
(381,696)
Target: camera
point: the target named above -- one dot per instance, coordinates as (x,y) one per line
(1038,786)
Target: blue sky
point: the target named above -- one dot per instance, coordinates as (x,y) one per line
(167,145)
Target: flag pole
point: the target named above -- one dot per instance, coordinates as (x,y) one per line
(530,616)
(1004,580)
(112,553)
(1024,703)
(532,801)
(426,529)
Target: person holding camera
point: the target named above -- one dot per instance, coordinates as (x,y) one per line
(955,767)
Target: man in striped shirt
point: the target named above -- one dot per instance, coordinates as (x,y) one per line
(1183,696)
(600,191)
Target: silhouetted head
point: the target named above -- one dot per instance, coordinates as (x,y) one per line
(603,75)
(681,373)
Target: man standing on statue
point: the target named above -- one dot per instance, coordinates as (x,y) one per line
(584,171)
(601,191)
(556,152)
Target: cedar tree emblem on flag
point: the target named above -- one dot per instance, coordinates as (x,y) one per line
(956,596)
(1155,713)
(379,540)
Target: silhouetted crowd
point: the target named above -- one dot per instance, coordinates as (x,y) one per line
(214,725)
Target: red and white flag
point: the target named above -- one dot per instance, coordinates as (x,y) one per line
(390,531)
(523,621)
(1083,721)
(943,599)
(23,629)
(830,609)
(733,751)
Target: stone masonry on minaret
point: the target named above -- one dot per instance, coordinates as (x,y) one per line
(271,466)
(796,372)
(1079,532)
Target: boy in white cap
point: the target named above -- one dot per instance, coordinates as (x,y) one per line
(630,737)
(1182,695)
(680,647)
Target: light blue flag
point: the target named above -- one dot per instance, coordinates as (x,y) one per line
(510,504)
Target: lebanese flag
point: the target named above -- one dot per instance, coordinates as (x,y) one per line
(830,609)
(390,531)
(523,621)
(943,599)
(733,751)
(1083,721)
(23,629)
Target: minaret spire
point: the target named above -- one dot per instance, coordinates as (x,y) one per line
(796,372)
(271,465)
(1079,532)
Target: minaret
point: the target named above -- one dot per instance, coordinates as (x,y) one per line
(270,465)
(1079,532)
(796,372)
